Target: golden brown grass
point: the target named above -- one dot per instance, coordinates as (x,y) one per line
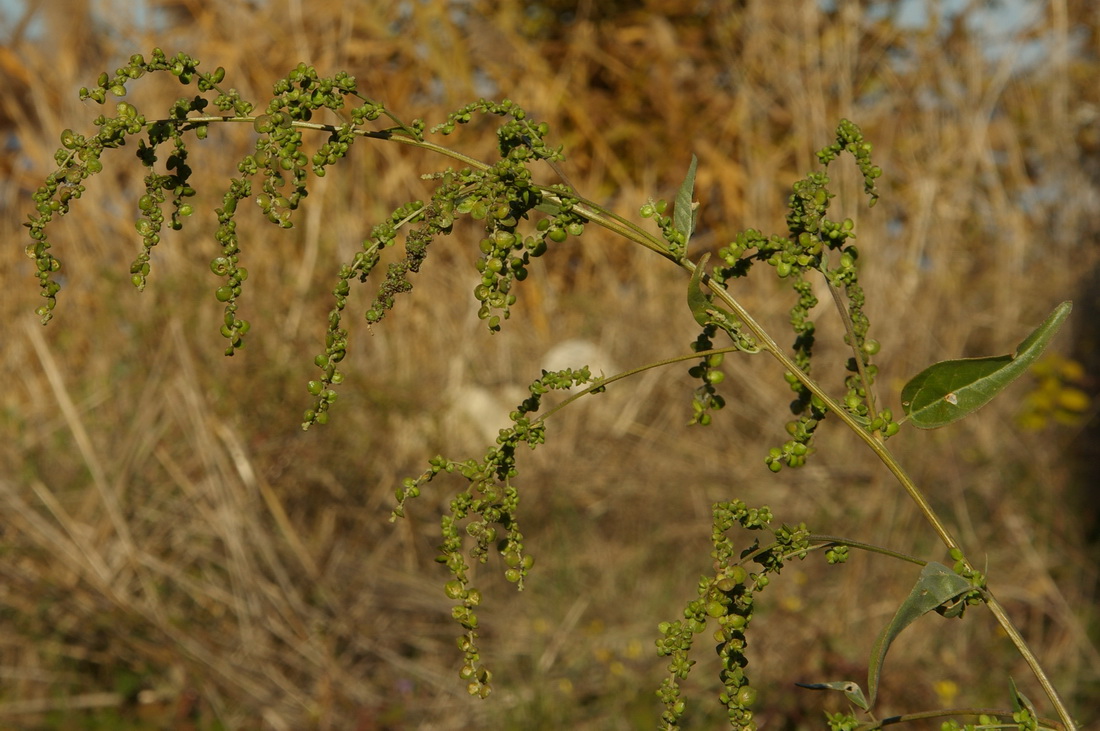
(168,528)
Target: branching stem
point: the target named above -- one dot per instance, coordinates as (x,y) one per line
(599,215)
(846,318)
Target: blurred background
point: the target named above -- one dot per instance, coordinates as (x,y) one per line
(177,553)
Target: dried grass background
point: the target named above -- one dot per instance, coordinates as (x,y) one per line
(177,551)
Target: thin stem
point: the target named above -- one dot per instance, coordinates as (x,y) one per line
(588,209)
(613,222)
(821,541)
(869,547)
(399,134)
(600,383)
(948,713)
(854,343)
(1033,662)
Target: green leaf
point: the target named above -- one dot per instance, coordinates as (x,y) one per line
(851,690)
(937,584)
(1020,701)
(683,217)
(948,391)
(697,298)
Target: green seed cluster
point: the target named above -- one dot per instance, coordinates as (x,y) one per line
(1023,719)
(176,180)
(296,98)
(706,397)
(799,446)
(278,158)
(504,195)
(486,514)
(80,157)
(677,243)
(227,265)
(813,245)
(849,138)
(726,597)
(973,597)
(505,255)
(836,554)
(842,721)
(427,222)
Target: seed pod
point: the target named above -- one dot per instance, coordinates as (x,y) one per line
(746,696)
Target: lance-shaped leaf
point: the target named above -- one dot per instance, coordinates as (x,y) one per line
(937,584)
(948,391)
(683,217)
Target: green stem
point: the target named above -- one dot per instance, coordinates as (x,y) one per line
(590,210)
(600,383)
(824,541)
(948,713)
(849,328)
(821,542)
(1033,662)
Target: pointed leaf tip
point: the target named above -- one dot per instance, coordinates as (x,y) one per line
(683,217)
(937,584)
(850,688)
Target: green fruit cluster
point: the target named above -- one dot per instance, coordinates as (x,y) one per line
(727,598)
(483,518)
(814,244)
